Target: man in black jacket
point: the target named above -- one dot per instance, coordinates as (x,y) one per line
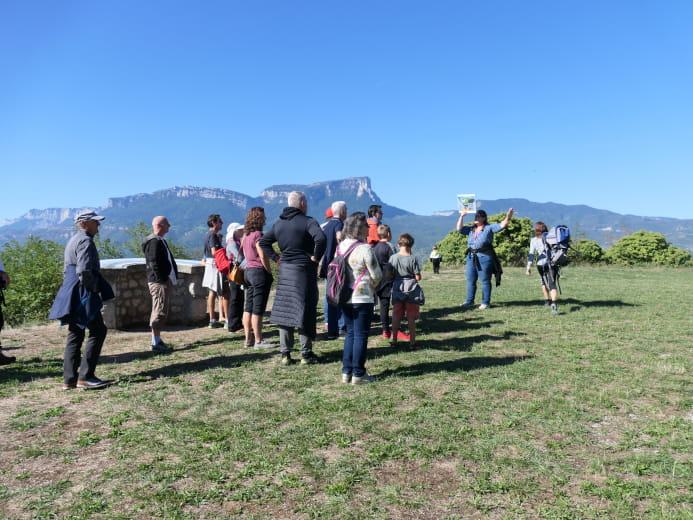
(162,275)
(302,244)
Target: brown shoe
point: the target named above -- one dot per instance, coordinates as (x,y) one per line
(68,386)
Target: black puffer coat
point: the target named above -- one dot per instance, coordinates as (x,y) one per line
(299,237)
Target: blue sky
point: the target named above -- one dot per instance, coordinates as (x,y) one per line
(575,102)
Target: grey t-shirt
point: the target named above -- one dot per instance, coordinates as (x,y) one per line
(405,266)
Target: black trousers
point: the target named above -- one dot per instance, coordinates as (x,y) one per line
(236,304)
(92,350)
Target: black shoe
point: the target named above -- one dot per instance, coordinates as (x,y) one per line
(6,360)
(92,384)
(285,360)
(310,359)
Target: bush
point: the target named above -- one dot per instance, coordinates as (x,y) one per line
(646,247)
(587,252)
(35,269)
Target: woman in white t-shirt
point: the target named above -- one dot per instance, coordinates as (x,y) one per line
(364,274)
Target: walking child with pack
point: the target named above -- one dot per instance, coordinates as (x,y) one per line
(550,248)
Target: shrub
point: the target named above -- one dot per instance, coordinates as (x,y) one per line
(36,272)
(645,247)
(587,252)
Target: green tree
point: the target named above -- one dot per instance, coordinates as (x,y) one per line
(107,248)
(587,251)
(512,244)
(137,233)
(645,247)
(36,272)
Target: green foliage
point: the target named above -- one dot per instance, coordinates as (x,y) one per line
(645,247)
(35,269)
(587,252)
(107,248)
(137,233)
(511,244)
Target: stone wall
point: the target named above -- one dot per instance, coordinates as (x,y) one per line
(132,304)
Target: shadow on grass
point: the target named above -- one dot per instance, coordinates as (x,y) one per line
(177,369)
(456,365)
(27,370)
(575,305)
(440,312)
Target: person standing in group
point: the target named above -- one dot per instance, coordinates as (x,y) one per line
(213,280)
(405,269)
(302,244)
(162,275)
(482,261)
(537,249)
(375,216)
(383,250)
(258,278)
(435,257)
(363,275)
(333,235)
(234,314)
(4,283)
(78,304)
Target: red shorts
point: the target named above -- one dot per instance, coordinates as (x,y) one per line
(411,310)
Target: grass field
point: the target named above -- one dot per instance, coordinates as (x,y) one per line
(506,413)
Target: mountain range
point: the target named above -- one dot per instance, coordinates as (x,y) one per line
(187,208)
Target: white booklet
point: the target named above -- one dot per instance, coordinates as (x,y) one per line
(466,201)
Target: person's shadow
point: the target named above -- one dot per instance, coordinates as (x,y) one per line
(569,304)
(465,364)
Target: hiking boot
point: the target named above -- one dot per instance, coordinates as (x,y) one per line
(92,384)
(364,379)
(483,307)
(6,360)
(554,309)
(161,348)
(346,378)
(285,360)
(310,359)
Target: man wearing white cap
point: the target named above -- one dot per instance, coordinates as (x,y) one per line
(78,304)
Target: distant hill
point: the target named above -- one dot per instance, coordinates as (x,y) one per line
(188,207)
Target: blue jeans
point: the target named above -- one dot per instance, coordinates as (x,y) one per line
(357,318)
(473,273)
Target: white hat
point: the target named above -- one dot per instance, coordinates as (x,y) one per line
(231,229)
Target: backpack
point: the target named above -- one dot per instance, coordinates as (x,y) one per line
(338,290)
(556,243)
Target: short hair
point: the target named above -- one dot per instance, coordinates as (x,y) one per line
(337,207)
(373,209)
(254,220)
(213,219)
(539,228)
(405,240)
(353,225)
(383,230)
(295,198)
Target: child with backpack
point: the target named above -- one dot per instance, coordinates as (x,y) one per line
(406,292)
(537,249)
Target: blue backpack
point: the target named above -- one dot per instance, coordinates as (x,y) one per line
(557,242)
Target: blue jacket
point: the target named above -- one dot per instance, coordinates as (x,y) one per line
(76,304)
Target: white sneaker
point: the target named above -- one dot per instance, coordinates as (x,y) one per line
(483,306)
(365,378)
(346,378)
